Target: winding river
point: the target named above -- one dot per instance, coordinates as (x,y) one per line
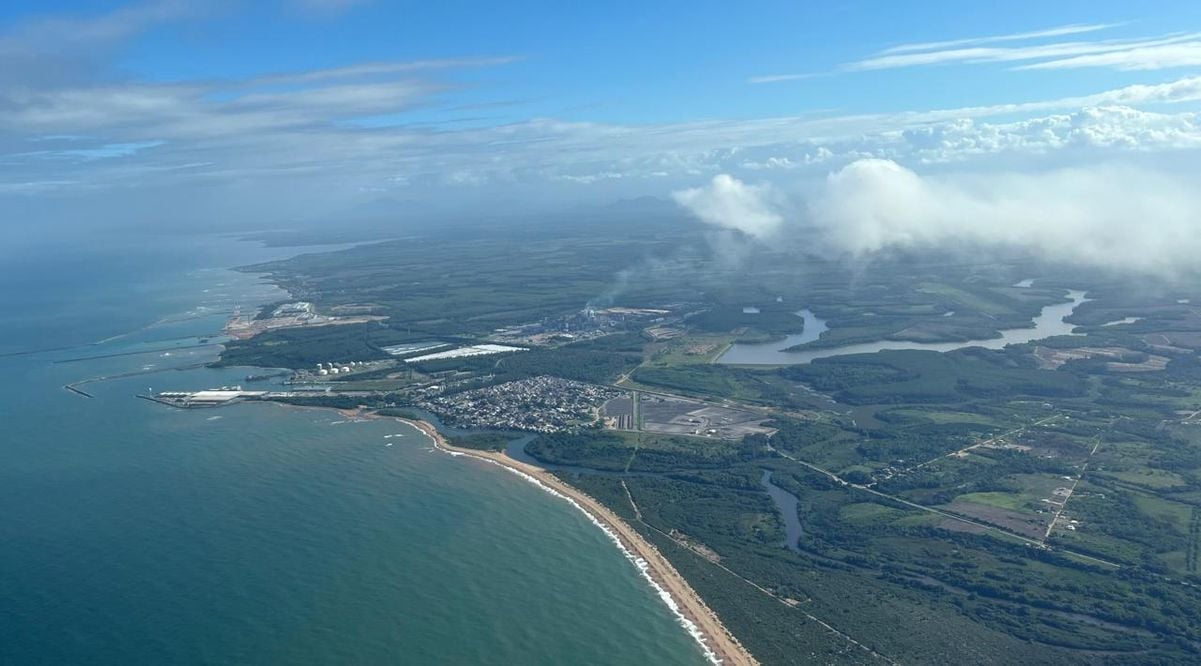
(786,503)
(1050,322)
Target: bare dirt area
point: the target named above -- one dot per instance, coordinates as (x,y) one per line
(1051,359)
(695,546)
(243,327)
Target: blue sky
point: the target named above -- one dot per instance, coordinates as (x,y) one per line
(635,62)
(257,110)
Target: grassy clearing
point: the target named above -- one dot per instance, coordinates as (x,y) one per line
(1000,500)
(867,513)
(1149,478)
(945,416)
(691,349)
(1176,513)
(964,298)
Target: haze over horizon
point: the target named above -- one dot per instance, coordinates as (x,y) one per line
(881,126)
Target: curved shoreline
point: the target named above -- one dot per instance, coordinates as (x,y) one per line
(719,645)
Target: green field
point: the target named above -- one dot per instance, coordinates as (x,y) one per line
(963,298)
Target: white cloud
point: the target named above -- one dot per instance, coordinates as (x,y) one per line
(1060,31)
(981,54)
(297,133)
(590,178)
(779,78)
(731,204)
(1085,215)
(78,31)
(1109,127)
(972,50)
(75,47)
(1180,49)
(1184,54)
(182,111)
(1118,216)
(376,69)
(309,135)
(36,187)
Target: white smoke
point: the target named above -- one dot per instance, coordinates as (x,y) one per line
(1116,216)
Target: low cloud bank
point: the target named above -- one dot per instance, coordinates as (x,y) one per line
(1116,216)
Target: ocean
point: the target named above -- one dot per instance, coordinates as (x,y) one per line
(133,533)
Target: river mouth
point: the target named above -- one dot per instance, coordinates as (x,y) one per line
(1049,323)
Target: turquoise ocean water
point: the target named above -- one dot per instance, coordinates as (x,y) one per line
(132,533)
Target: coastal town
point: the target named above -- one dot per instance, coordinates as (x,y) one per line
(539,404)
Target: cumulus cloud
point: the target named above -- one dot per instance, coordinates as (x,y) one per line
(1099,128)
(1117,216)
(731,204)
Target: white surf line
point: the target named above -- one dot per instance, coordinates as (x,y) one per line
(638,562)
(759,587)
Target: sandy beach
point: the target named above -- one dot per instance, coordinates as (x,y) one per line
(722,645)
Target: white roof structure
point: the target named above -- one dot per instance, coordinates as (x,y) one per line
(461,352)
(221,395)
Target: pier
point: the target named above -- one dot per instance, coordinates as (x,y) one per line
(78,391)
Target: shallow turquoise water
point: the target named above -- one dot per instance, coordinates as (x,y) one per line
(134,533)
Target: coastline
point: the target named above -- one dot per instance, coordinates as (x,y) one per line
(718,644)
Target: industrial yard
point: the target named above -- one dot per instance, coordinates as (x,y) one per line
(680,416)
(580,325)
(214,397)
